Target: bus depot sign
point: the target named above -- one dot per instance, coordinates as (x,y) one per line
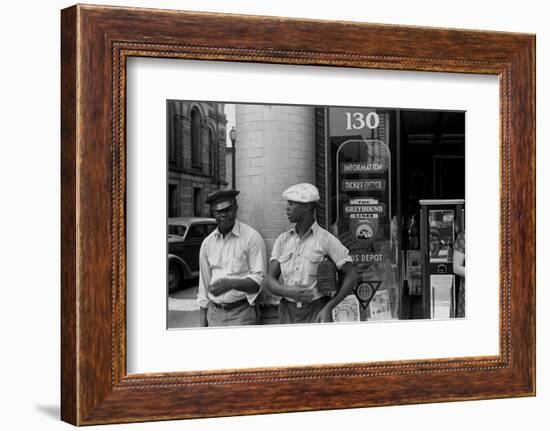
(363,200)
(363,196)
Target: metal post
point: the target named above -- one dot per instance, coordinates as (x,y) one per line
(233,137)
(233,182)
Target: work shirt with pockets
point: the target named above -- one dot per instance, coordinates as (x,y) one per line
(241,254)
(299,258)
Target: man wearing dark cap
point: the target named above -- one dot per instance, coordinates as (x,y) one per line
(295,259)
(232,266)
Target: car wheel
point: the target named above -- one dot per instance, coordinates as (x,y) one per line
(175,276)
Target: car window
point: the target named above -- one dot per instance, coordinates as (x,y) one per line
(210,228)
(176,229)
(196,232)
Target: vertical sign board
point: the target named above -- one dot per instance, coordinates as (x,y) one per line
(362,194)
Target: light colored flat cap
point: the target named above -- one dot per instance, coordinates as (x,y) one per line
(303,192)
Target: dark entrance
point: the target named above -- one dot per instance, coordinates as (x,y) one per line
(432,166)
(432,157)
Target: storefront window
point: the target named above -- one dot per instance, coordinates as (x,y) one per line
(361,213)
(381,165)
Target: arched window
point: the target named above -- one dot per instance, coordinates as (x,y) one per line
(195,138)
(212,154)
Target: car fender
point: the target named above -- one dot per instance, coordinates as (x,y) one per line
(181,262)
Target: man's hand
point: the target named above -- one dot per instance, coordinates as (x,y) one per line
(220,286)
(325,315)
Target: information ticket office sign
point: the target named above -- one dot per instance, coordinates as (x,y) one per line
(362,193)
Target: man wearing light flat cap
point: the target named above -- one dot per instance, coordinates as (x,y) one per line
(232,262)
(296,256)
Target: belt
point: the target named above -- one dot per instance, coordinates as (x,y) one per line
(304,304)
(230,305)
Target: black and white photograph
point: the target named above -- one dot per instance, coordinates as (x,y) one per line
(299,214)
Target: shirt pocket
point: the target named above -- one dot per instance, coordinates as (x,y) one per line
(312,261)
(214,260)
(285,260)
(238,264)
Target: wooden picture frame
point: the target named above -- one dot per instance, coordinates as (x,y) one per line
(95,42)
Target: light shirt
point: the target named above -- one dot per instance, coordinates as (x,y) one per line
(241,254)
(299,258)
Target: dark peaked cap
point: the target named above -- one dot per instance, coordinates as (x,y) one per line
(221,199)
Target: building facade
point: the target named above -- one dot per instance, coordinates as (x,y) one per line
(196,135)
(392,186)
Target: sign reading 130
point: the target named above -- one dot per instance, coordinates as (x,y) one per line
(358,120)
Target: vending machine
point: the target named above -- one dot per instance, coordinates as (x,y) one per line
(441,220)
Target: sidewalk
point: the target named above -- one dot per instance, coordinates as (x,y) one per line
(183,310)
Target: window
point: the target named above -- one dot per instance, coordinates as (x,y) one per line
(196,232)
(195,138)
(173,200)
(176,229)
(197,201)
(210,228)
(212,159)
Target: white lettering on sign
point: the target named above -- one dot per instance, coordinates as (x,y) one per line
(363,201)
(367,257)
(359,185)
(358,120)
(362,216)
(362,167)
(376,209)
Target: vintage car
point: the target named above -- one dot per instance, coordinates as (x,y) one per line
(185,236)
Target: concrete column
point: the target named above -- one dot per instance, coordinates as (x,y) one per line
(275,149)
